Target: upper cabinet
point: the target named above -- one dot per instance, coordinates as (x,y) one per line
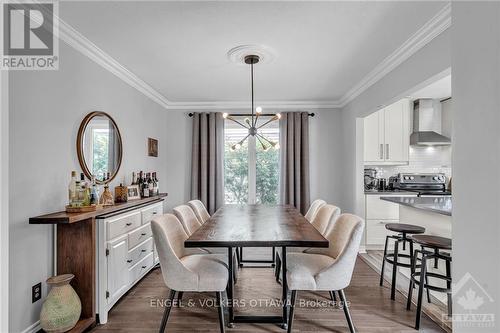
(387,134)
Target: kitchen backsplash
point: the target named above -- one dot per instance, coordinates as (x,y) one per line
(431,159)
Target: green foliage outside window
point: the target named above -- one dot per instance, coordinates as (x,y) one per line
(100,146)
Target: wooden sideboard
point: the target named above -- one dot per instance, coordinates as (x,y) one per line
(76,250)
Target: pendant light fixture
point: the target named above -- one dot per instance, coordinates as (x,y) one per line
(252,124)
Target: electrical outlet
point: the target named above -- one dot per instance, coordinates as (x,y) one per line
(36,292)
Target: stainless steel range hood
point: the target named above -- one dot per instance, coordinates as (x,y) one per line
(426,123)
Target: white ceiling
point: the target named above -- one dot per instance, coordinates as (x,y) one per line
(322,49)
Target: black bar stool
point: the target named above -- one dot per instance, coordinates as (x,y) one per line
(403,231)
(436,244)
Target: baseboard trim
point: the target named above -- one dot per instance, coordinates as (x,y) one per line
(34,328)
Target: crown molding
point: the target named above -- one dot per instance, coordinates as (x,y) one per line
(430,30)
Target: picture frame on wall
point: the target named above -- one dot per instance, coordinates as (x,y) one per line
(133,192)
(152,147)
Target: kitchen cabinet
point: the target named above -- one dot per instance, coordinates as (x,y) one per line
(387,135)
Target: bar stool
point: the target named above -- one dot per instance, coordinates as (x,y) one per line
(403,231)
(437,244)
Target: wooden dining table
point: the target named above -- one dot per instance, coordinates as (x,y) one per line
(236,226)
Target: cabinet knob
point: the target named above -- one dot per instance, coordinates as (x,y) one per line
(143,250)
(154,213)
(128,224)
(143,234)
(129,261)
(144,266)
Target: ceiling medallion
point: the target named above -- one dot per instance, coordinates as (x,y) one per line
(252,124)
(237,54)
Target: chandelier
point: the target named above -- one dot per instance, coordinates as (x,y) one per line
(252,124)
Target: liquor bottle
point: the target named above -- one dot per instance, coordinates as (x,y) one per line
(151,188)
(85,190)
(145,187)
(72,189)
(156,184)
(139,183)
(134,181)
(94,193)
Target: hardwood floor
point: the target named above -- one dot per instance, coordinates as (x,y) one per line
(371,307)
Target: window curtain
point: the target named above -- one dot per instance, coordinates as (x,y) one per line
(207,168)
(294,175)
(112,149)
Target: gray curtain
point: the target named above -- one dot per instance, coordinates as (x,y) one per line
(294,175)
(207,168)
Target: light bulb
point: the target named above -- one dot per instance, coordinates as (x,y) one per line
(278,115)
(258,109)
(224,115)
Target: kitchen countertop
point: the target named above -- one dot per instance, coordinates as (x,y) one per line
(390,192)
(441,205)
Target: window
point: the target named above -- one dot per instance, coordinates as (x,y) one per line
(251,174)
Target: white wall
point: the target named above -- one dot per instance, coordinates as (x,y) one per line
(476,151)
(46,109)
(432,60)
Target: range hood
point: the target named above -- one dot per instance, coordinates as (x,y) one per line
(426,124)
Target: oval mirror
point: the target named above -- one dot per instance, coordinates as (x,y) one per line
(99,147)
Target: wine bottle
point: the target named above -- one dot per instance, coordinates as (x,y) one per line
(151,186)
(85,190)
(145,187)
(140,183)
(133,179)
(156,185)
(72,189)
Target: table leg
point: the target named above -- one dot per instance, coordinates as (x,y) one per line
(285,288)
(230,286)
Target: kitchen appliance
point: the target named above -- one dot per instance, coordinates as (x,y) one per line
(425,184)
(370,180)
(382,184)
(426,124)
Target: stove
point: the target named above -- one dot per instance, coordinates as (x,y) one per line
(425,184)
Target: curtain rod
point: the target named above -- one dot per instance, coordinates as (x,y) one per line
(249,114)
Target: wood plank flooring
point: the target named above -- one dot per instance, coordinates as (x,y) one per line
(371,307)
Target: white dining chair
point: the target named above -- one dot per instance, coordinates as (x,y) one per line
(313,209)
(188,218)
(323,221)
(328,269)
(200,210)
(185,269)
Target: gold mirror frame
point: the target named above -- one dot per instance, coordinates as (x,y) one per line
(79,145)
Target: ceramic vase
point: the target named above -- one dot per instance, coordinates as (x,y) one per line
(62,307)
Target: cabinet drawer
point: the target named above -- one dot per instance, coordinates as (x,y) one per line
(151,212)
(135,272)
(139,252)
(380,209)
(376,231)
(139,235)
(122,224)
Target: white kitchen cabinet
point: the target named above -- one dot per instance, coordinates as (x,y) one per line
(125,250)
(387,135)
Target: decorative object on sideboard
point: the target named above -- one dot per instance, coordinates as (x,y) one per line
(62,307)
(107,197)
(152,147)
(99,147)
(121,193)
(133,192)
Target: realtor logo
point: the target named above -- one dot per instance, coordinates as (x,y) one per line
(29,36)
(476,306)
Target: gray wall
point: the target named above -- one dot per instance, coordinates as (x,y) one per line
(46,109)
(432,59)
(476,152)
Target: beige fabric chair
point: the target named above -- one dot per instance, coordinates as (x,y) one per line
(188,218)
(200,210)
(324,221)
(328,269)
(313,209)
(186,269)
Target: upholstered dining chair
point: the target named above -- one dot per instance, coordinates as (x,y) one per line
(200,210)
(328,269)
(324,221)
(313,209)
(185,269)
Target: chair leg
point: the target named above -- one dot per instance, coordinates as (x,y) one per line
(167,311)
(383,262)
(235,265)
(412,284)
(220,310)
(241,256)
(179,297)
(423,273)
(273,257)
(346,311)
(292,310)
(394,270)
(448,285)
(332,296)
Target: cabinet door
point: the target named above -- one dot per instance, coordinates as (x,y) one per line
(374,137)
(396,132)
(117,268)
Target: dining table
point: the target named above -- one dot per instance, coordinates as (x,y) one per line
(238,226)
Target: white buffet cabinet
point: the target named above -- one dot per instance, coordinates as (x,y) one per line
(125,253)
(377,214)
